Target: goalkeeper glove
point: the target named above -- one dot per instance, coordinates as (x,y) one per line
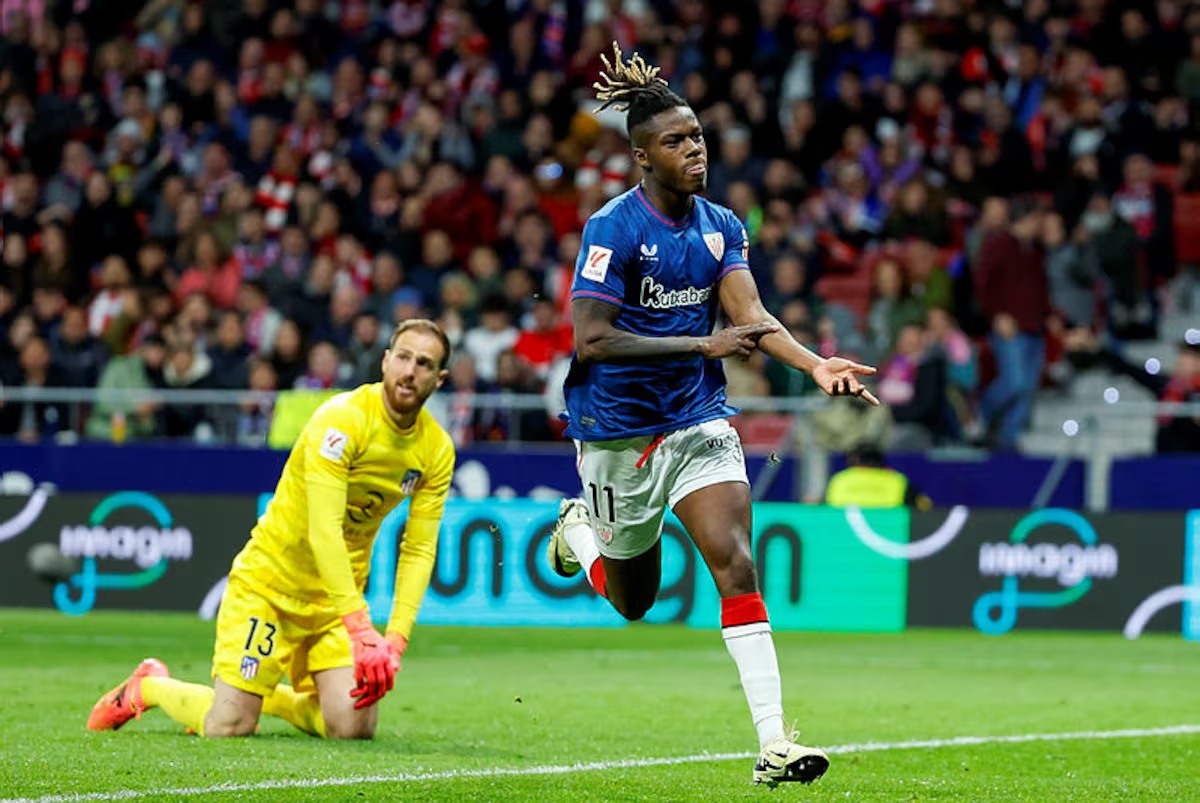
(399,642)
(375,660)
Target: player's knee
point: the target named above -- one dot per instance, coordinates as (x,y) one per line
(350,729)
(230,726)
(633,609)
(738,575)
(633,612)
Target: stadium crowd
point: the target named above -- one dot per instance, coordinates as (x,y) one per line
(220,194)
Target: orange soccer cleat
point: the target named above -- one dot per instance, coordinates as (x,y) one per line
(125,701)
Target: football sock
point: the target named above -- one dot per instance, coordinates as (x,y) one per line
(747,635)
(186,703)
(583,544)
(301,709)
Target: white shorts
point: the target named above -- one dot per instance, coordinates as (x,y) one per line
(627,502)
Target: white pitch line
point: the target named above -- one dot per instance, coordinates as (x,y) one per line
(597,766)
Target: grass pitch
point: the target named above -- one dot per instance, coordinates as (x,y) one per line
(493,714)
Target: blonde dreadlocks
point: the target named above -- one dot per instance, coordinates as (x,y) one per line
(633,86)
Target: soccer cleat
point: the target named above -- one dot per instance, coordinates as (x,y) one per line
(125,701)
(558,551)
(784,761)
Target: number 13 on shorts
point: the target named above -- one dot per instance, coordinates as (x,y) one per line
(260,636)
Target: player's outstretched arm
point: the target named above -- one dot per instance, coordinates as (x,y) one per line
(598,340)
(418,547)
(743,307)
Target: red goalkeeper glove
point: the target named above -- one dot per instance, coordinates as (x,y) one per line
(375,660)
(399,642)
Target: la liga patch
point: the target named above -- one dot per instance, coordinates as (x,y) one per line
(333,443)
(595,267)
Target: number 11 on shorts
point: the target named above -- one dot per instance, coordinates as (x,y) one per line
(607,490)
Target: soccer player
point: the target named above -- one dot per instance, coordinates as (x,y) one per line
(645,395)
(294,604)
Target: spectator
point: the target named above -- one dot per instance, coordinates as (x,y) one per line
(364,353)
(102,228)
(1147,206)
(737,163)
(114,280)
(63,194)
(21,327)
(34,421)
(262,321)
(325,370)
(288,353)
(1174,432)
(345,303)
(153,269)
(463,419)
(457,294)
(912,383)
(253,253)
(1073,269)
(209,271)
(310,307)
(494,334)
(284,277)
(186,368)
(229,353)
(789,279)
(507,422)
(1118,249)
(545,341)
(437,260)
(140,370)
(78,356)
(928,282)
(20,207)
(53,264)
(892,307)
(17,267)
(1013,292)
(195,321)
(962,365)
(890,169)
(917,217)
(254,413)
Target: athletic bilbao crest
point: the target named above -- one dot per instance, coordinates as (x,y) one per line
(716,244)
(409,483)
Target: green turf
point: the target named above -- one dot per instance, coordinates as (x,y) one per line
(481,699)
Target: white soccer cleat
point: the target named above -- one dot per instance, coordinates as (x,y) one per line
(784,761)
(558,551)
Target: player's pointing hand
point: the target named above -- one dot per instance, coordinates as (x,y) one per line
(737,341)
(839,377)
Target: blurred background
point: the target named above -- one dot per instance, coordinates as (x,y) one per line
(213,212)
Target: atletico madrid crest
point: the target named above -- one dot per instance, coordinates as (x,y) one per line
(409,483)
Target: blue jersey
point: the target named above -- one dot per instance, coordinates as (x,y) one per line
(662,274)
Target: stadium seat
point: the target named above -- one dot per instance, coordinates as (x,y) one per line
(1187,228)
(763,431)
(1168,175)
(851,289)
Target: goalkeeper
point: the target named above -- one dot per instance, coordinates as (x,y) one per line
(294,604)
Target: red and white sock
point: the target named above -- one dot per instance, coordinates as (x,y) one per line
(583,543)
(747,634)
